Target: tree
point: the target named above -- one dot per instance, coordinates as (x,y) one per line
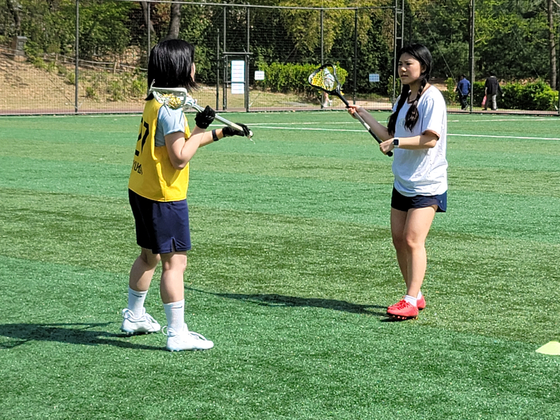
(512,37)
(13,8)
(174,21)
(304,25)
(147,20)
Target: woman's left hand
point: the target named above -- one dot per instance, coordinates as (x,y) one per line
(386,146)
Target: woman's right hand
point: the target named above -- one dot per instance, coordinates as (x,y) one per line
(352,109)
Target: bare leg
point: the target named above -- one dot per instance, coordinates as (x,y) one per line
(398,222)
(142,270)
(135,318)
(172,283)
(409,230)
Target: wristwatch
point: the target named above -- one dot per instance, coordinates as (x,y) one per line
(395,142)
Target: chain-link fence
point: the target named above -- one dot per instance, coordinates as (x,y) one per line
(237,49)
(86,56)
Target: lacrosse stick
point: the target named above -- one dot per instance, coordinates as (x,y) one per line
(324,78)
(179,98)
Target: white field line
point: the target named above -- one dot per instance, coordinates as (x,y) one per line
(486,136)
(298,127)
(350,121)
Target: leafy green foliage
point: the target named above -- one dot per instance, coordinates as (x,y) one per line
(304,25)
(450,95)
(104,29)
(511,36)
(531,96)
(537,95)
(293,77)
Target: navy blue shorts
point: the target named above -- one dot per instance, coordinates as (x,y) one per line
(161,227)
(402,203)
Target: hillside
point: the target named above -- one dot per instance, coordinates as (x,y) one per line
(26,88)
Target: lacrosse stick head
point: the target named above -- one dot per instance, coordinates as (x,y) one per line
(174,98)
(325,78)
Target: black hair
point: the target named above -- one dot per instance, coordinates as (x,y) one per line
(170,65)
(423,55)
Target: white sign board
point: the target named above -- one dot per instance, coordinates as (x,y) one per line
(237,77)
(237,88)
(259,75)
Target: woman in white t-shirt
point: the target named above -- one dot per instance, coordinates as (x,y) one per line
(417,135)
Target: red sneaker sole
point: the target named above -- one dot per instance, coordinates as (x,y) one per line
(401,317)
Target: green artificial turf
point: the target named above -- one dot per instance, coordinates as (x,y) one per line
(290,274)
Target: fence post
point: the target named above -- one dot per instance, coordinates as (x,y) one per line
(149,19)
(225,58)
(247,59)
(77,54)
(395,49)
(322,17)
(471,52)
(218,69)
(355,56)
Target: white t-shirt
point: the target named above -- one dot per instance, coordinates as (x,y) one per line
(423,171)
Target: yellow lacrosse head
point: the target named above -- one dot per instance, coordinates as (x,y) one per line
(171,101)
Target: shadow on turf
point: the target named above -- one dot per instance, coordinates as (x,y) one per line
(281,300)
(65,333)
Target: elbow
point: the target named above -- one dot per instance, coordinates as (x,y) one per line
(179,165)
(431,144)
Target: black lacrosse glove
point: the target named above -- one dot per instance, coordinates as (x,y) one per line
(229,132)
(204,118)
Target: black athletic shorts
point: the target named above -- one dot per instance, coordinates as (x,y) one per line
(403,203)
(162,227)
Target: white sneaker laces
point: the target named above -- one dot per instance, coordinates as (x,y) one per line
(128,314)
(165,331)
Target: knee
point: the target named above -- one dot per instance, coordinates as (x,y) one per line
(412,243)
(178,262)
(150,259)
(399,243)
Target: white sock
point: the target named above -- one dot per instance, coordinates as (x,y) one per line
(175,314)
(136,301)
(419,295)
(411,300)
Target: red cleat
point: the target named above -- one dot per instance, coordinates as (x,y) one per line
(402,310)
(421,303)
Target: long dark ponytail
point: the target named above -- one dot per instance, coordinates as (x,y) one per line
(423,55)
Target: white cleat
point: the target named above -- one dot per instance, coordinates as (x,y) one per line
(185,340)
(138,325)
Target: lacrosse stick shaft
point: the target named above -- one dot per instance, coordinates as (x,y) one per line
(219,118)
(365,124)
(318,79)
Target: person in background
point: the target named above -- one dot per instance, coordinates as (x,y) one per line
(491,90)
(463,90)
